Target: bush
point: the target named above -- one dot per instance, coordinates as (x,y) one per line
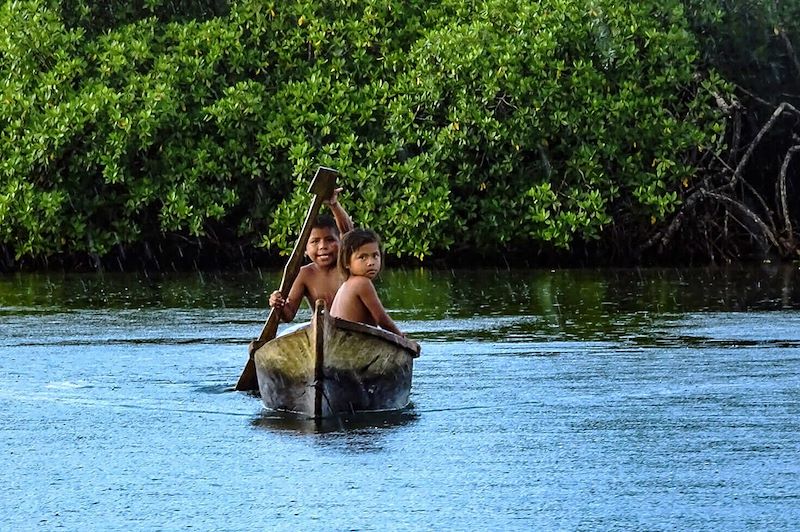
(484,126)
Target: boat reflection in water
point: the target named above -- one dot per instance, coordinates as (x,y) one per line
(360,421)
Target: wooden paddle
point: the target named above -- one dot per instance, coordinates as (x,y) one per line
(322,186)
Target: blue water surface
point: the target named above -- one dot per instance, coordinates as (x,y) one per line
(566,400)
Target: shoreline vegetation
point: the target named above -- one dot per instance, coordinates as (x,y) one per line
(178,254)
(177,136)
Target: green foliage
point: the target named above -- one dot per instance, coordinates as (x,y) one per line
(482,125)
(754,43)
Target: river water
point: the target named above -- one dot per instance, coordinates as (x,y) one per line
(543,400)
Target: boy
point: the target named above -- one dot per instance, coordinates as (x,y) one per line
(320,279)
(360,263)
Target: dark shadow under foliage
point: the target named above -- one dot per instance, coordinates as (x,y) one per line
(97,17)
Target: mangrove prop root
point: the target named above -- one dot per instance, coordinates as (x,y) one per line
(784,203)
(725,192)
(737,174)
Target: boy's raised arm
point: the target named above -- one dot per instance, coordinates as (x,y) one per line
(343,221)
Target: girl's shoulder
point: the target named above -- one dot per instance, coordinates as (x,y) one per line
(358,281)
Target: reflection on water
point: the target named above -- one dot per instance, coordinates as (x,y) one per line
(364,422)
(423,294)
(215,389)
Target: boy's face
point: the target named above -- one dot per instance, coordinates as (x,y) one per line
(323,246)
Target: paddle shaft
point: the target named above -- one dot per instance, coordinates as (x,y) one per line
(248,380)
(291,270)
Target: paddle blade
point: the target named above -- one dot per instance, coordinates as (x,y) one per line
(324,182)
(248,380)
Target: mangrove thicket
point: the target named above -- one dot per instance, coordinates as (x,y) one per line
(592,131)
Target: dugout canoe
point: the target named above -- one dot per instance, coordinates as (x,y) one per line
(332,367)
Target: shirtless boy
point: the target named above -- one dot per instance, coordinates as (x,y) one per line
(360,263)
(320,279)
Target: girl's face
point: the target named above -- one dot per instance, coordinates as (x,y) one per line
(323,247)
(365,261)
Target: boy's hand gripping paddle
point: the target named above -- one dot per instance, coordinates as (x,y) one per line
(322,187)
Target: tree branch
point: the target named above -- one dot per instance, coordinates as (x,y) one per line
(790,50)
(782,191)
(767,210)
(737,174)
(747,212)
(665,236)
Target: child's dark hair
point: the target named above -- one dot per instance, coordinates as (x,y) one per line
(324,221)
(351,241)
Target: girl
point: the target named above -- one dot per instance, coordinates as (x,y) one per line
(360,262)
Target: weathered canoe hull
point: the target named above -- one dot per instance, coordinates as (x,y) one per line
(332,367)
